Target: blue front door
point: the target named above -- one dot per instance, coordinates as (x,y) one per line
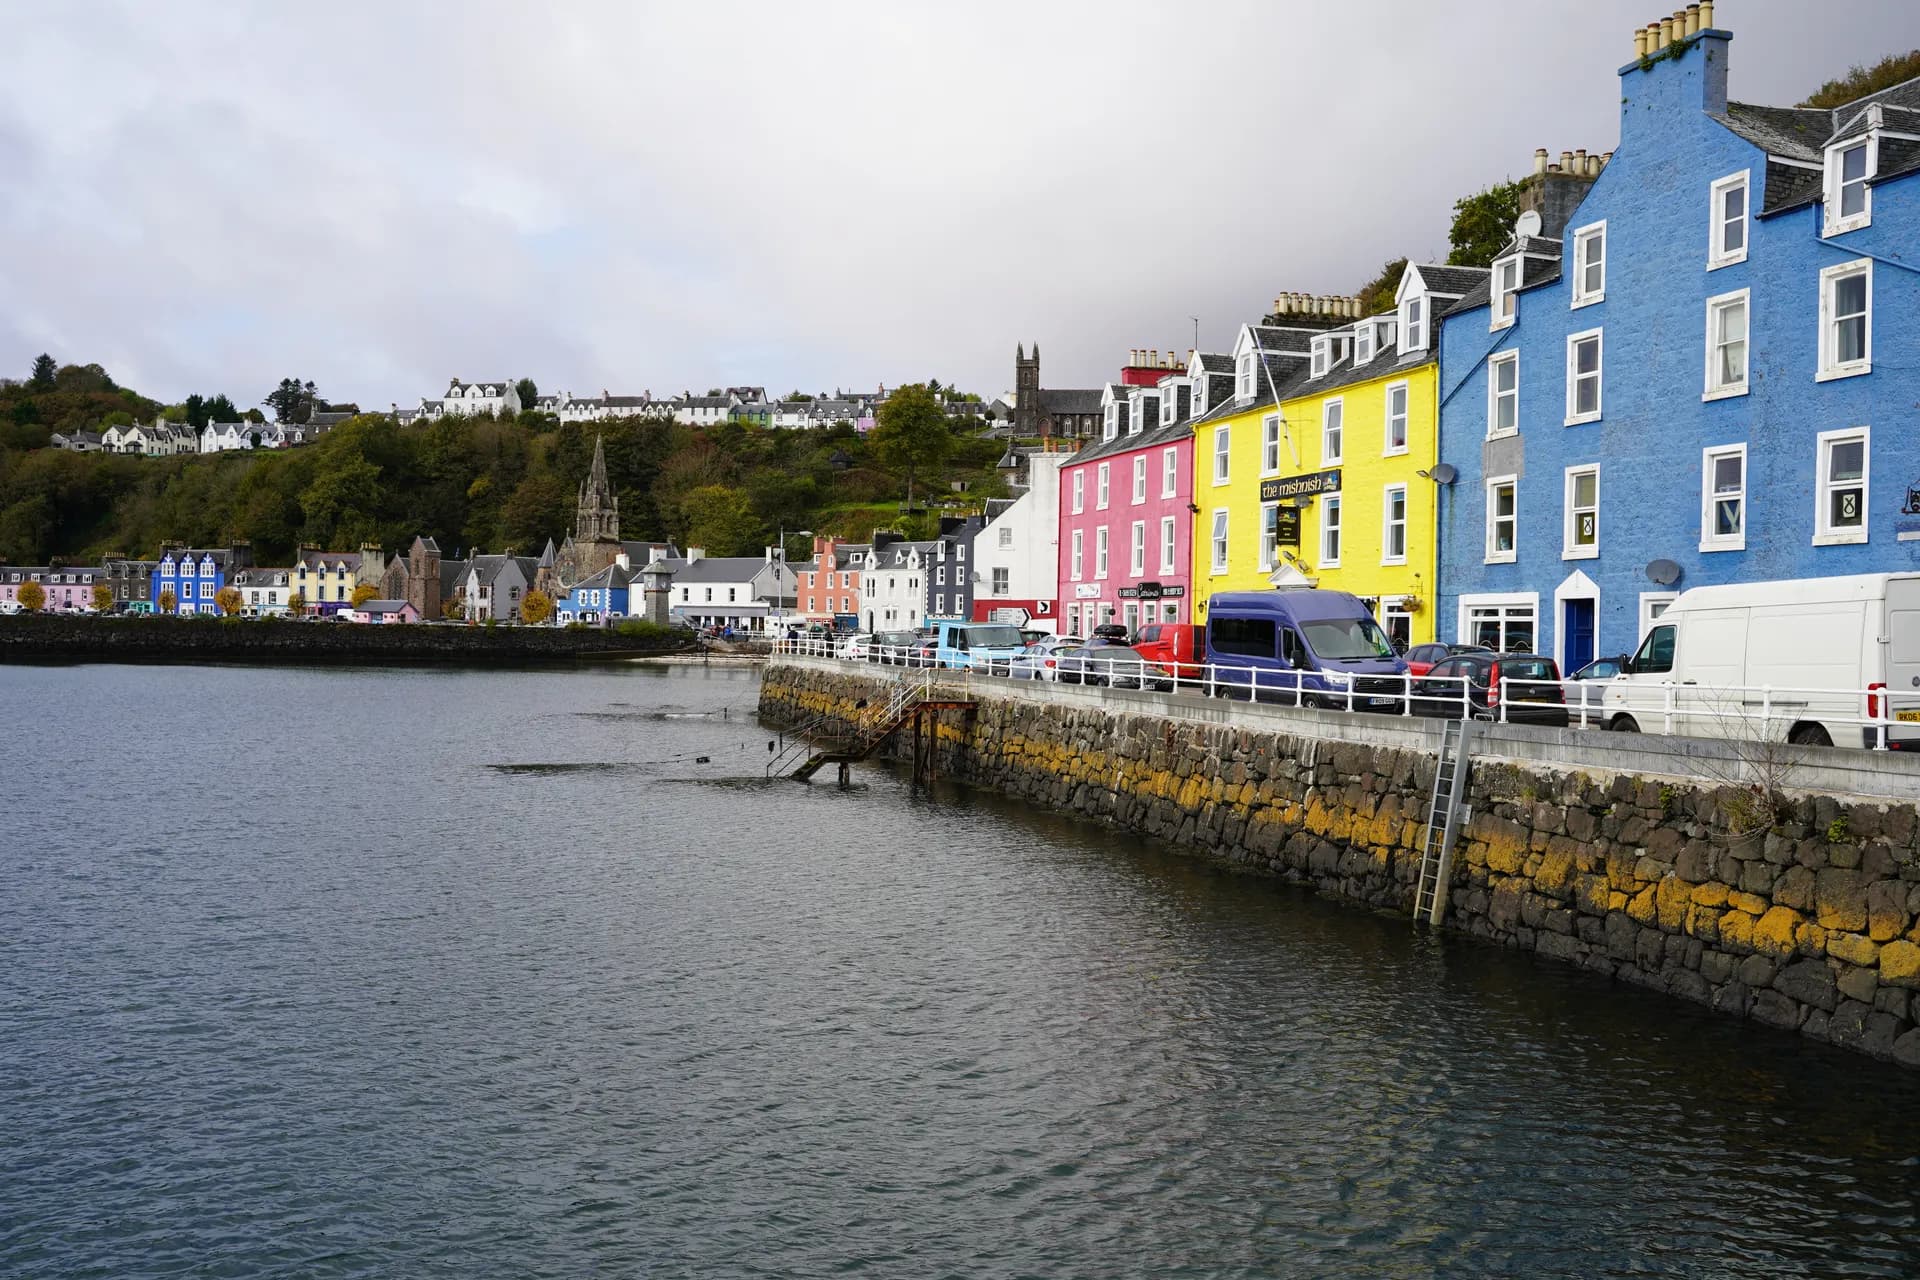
(1576,625)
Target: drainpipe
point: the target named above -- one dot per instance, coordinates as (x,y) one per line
(1852,251)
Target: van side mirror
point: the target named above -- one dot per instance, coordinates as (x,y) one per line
(1626,666)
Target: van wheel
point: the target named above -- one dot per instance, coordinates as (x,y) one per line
(1624,724)
(1809,735)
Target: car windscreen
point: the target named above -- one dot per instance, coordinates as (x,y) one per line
(994,636)
(1527,669)
(1347,639)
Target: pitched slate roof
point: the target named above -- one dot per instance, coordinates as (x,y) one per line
(1448,281)
(1077,400)
(612,577)
(489,568)
(722,569)
(1804,133)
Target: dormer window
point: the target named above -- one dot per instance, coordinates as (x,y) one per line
(1243,376)
(1363,344)
(1169,405)
(1506,285)
(1199,395)
(1113,421)
(1137,420)
(1849,200)
(1322,352)
(1413,323)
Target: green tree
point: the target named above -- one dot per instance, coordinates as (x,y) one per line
(1376,296)
(527,392)
(720,519)
(912,434)
(221,409)
(1482,224)
(1893,69)
(31,596)
(291,401)
(196,411)
(297,603)
(44,370)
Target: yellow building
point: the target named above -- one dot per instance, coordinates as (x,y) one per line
(1325,487)
(325,579)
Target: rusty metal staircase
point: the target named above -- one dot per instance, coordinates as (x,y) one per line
(874,727)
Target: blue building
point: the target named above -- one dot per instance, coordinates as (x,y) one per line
(1692,365)
(194,577)
(601,599)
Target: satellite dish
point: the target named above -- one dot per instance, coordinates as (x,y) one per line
(1443,473)
(1663,572)
(1527,224)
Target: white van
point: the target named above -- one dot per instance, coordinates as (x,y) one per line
(1808,660)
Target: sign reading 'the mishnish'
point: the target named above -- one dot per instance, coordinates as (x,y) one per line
(1300,486)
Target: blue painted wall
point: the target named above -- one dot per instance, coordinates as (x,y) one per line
(1654,197)
(191,594)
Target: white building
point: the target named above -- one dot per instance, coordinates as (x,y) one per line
(494,586)
(747,593)
(470,398)
(263,592)
(893,586)
(157,439)
(1017,556)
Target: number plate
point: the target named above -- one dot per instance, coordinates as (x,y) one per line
(1910,717)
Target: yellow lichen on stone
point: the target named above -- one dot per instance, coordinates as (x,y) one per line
(1811,939)
(1854,948)
(1736,929)
(1751,903)
(1555,875)
(1900,963)
(1710,894)
(1642,906)
(1773,934)
(1672,897)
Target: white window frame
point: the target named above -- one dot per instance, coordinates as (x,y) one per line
(1825,534)
(1137,557)
(1709,540)
(1718,255)
(1269,547)
(1079,554)
(1716,306)
(1169,404)
(1494,363)
(1079,490)
(1389,525)
(1102,486)
(1112,428)
(1333,449)
(1102,551)
(1200,395)
(1507,606)
(1270,445)
(1319,348)
(1169,472)
(1583,241)
(1574,416)
(1412,327)
(1404,391)
(1512,553)
(1834,224)
(1243,376)
(1332,530)
(1137,416)
(1139,479)
(1570,548)
(1650,601)
(1221,533)
(1362,343)
(1504,299)
(1222,454)
(1830,368)
(1169,544)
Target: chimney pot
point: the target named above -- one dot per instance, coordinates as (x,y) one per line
(1639,42)
(1606,158)
(1153,355)
(1580,160)
(1539,159)
(1666,32)
(1566,162)
(1706,14)
(1693,19)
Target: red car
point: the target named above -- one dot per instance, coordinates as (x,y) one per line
(1177,647)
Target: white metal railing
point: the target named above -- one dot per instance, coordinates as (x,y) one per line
(1692,710)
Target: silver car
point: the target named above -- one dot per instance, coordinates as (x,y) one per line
(1036,661)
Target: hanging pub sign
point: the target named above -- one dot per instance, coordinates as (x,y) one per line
(1286,526)
(1300,486)
(1153,591)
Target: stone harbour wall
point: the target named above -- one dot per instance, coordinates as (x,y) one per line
(1802,917)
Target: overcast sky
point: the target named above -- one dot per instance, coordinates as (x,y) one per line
(622,196)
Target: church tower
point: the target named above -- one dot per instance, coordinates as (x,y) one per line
(1026,391)
(598,516)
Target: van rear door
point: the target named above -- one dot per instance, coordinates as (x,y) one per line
(1903,655)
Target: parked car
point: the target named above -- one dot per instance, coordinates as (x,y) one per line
(1756,659)
(1037,660)
(984,646)
(1421,657)
(1179,647)
(1115,665)
(1318,647)
(1588,690)
(855,647)
(1529,682)
(900,649)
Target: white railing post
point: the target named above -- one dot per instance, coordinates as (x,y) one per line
(1466,697)
(1406,693)
(1503,687)
(1766,711)
(1667,711)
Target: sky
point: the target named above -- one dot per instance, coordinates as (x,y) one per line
(615,195)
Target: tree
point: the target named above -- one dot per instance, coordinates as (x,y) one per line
(167,600)
(1482,225)
(912,434)
(292,401)
(230,600)
(44,369)
(102,598)
(453,608)
(32,597)
(196,410)
(1376,297)
(535,608)
(1860,81)
(297,603)
(361,594)
(221,409)
(527,392)
(720,519)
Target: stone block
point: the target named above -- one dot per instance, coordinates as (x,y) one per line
(1734,997)
(1840,899)
(1695,863)
(1751,903)
(1774,934)
(1736,930)
(1887,914)
(1777,1010)
(1716,967)
(1894,1001)
(1689,985)
(1795,888)
(1642,906)
(1757,971)
(1711,894)
(1810,982)
(1756,878)
(1856,983)
(1900,963)
(1905,1049)
(1854,948)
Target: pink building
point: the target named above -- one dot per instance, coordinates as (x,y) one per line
(378,611)
(68,588)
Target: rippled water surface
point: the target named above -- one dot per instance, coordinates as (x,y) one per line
(412,974)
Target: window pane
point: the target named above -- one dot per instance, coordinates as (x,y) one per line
(1848,460)
(1583,489)
(1850,295)
(1853,163)
(1586,355)
(1844,508)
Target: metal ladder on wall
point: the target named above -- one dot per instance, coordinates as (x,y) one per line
(1444,818)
